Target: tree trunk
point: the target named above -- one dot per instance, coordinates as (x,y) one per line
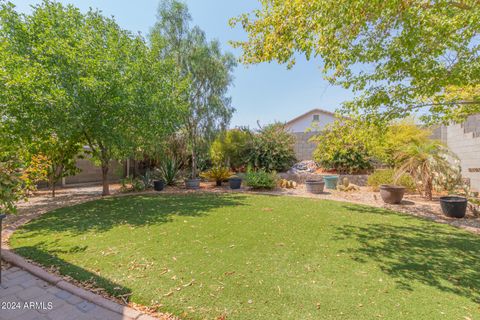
(106,188)
(51,181)
(428,190)
(194,164)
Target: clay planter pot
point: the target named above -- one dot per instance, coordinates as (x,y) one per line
(158,185)
(331,182)
(454,207)
(192,183)
(392,194)
(235,183)
(314,186)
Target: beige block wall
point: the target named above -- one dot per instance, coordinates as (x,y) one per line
(92,173)
(303,148)
(467,147)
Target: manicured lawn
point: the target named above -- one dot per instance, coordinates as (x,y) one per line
(262,257)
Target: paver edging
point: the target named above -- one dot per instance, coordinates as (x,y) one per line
(20,262)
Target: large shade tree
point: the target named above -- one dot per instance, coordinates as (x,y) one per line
(33,102)
(207,69)
(80,78)
(400,57)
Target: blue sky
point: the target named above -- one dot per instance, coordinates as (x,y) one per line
(267,92)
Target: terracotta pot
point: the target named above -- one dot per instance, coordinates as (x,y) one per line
(392,194)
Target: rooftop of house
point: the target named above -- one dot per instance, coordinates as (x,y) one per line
(311,112)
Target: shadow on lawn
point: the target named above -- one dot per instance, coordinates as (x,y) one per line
(104,214)
(88,278)
(426,252)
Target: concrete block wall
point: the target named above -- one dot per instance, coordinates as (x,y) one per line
(303,148)
(466,145)
(92,173)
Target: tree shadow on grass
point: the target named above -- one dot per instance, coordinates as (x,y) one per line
(104,214)
(417,251)
(88,278)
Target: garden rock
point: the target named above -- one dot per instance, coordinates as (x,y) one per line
(306,166)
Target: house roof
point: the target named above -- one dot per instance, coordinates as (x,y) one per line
(313,111)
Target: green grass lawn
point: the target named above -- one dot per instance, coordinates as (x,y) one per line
(262,257)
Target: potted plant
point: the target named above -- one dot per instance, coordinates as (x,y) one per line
(454,206)
(217,174)
(315,186)
(168,171)
(235,182)
(391,193)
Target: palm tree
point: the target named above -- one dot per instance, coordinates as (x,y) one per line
(430,163)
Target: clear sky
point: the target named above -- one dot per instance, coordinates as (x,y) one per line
(267,92)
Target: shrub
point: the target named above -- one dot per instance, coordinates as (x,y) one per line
(396,138)
(430,165)
(345,147)
(130,184)
(230,148)
(11,185)
(217,174)
(147,179)
(271,148)
(261,179)
(352,145)
(387,176)
(168,170)
(349,160)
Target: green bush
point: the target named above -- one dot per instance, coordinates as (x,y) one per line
(230,148)
(348,160)
(353,145)
(345,147)
(261,179)
(217,174)
(386,176)
(130,184)
(168,170)
(271,148)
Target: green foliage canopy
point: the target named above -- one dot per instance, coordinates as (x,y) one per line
(80,78)
(399,56)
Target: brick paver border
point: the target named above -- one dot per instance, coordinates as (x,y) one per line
(127,312)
